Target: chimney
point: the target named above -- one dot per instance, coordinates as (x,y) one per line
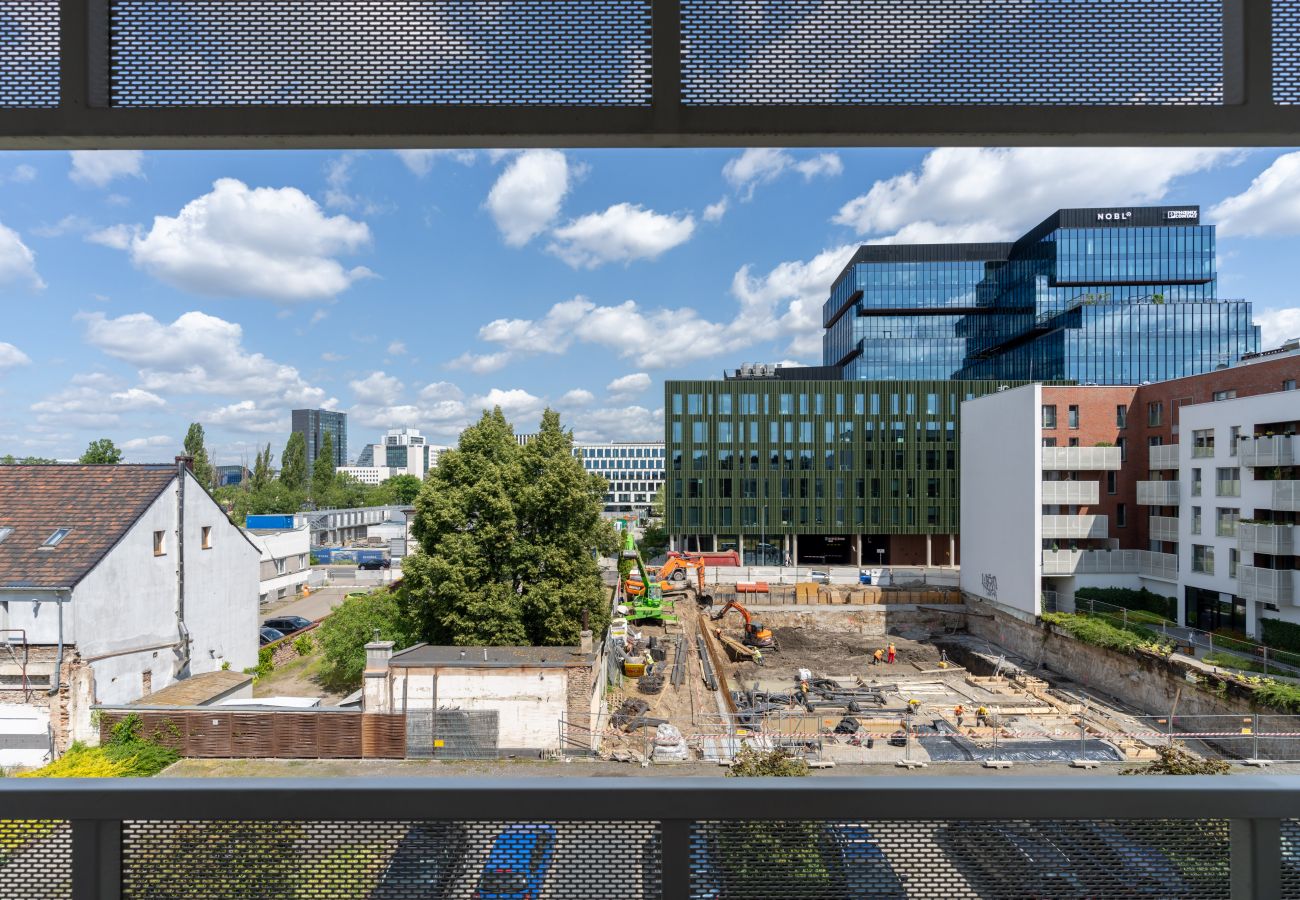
(185,462)
(378,653)
(584,640)
(376,686)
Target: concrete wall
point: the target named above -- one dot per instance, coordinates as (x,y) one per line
(530,701)
(866,621)
(1001,498)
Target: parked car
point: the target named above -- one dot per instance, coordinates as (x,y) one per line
(517,866)
(819,577)
(424,864)
(269,635)
(372,564)
(287,624)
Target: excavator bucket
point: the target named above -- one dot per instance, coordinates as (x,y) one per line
(705,600)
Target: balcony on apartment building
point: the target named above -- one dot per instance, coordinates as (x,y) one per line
(1081,459)
(1075,527)
(1286,496)
(1164,456)
(1278,450)
(1163,528)
(1071,493)
(1146,563)
(1266,585)
(1157,493)
(1274,539)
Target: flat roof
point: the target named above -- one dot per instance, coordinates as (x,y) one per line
(492,657)
(197,690)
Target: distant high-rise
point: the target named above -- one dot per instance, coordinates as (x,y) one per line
(314,424)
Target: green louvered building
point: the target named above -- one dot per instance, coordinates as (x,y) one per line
(829,472)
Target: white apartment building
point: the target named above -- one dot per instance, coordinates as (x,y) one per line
(403,451)
(635,471)
(285,566)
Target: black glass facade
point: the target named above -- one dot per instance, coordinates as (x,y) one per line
(1109,296)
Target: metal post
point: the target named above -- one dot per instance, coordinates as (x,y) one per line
(675,845)
(96,859)
(1254,733)
(1256,858)
(1083,734)
(1126,618)
(1266,660)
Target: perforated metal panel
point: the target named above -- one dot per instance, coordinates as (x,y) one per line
(977,52)
(389,860)
(35,860)
(1291,859)
(1286,52)
(986,860)
(29,53)
(311,52)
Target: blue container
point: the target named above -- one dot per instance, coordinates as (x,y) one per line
(276,521)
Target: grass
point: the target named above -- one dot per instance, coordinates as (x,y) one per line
(1103,632)
(1226,660)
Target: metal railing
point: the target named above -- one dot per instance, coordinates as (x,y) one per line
(1147,563)
(1266,585)
(822,837)
(1081,527)
(1277,450)
(1157,493)
(1272,539)
(1072,493)
(1081,459)
(1286,496)
(1163,456)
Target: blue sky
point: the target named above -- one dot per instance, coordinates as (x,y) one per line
(143,291)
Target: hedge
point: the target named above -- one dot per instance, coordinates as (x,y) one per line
(1130,599)
(1281,635)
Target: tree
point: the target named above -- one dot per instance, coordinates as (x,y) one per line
(198,451)
(400,490)
(346,631)
(346,492)
(293,463)
(102,452)
(322,471)
(463,588)
(261,475)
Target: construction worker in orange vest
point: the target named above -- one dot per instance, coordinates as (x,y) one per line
(877,657)
(891,653)
(959,713)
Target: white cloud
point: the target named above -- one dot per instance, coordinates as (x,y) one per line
(396,348)
(515,402)
(1277,326)
(249,417)
(67,225)
(377,389)
(763,165)
(421,162)
(578,397)
(338,175)
(146,443)
(622,233)
(480,363)
(715,211)
(199,354)
(100,167)
(273,243)
(23,174)
(959,192)
(17,261)
(791,295)
(116,237)
(332,357)
(92,402)
(441,390)
(629,384)
(527,196)
(619,423)
(11,357)
(1270,206)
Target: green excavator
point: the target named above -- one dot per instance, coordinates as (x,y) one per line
(650,603)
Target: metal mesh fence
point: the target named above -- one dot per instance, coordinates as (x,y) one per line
(35,859)
(968,859)
(1291,859)
(453,734)
(978,52)
(389,860)
(29,53)
(320,52)
(1286,52)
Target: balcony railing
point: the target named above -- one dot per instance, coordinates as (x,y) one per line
(1056,527)
(1286,496)
(1080,459)
(1157,493)
(1163,528)
(1164,456)
(1279,450)
(1148,564)
(1266,585)
(823,837)
(1071,493)
(1275,540)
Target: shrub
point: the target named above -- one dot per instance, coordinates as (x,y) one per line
(1278,695)
(778,763)
(1280,634)
(1104,632)
(265,664)
(126,754)
(304,645)
(1175,760)
(342,637)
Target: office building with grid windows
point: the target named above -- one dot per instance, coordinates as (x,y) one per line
(634,470)
(313,425)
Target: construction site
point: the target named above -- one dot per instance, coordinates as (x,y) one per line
(837,675)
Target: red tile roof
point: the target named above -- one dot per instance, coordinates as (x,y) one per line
(98,504)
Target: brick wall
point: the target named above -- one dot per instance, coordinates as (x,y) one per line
(1098,424)
(577,710)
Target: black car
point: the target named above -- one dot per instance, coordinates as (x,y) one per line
(287,624)
(269,635)
(424,864)
(372,564)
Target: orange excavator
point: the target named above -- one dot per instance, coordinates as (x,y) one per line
(755,635)
(673,577)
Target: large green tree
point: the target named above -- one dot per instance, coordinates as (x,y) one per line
(261,474)
(102,452)
(196,447)
(293,463)
(400,490)
(322,471)
(508,537)
(464,588)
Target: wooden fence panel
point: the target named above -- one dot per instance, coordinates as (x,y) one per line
(383,736)
(252,735)
(338,736)
(214,733)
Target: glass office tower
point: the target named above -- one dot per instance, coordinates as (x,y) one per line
(313,424)
(1105,296)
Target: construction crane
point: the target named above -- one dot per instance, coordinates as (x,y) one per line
(755,635)
(647,599)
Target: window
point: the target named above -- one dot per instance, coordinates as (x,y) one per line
(1121,516)
(206,532)
(159,543)
(1202,559)
(1049,416)
(1233,558)
(1111,482)
(724,404)
(1073,416)
(1224,395)
(280,566)
(694,404)
(786,405)
(724,432)
(1196,482)
(1203,442)
(5,531)
(1288,385)
(1074,442)
(1233,439)
(1225,521)
(1121,416)
(1123,449)
(1196,520)
(1049,442)
(1155,413)
(1227,482)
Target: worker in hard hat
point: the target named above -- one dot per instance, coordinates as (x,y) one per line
(877,657)
(891,652)
(912,706)
(959,713)
(982,716)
